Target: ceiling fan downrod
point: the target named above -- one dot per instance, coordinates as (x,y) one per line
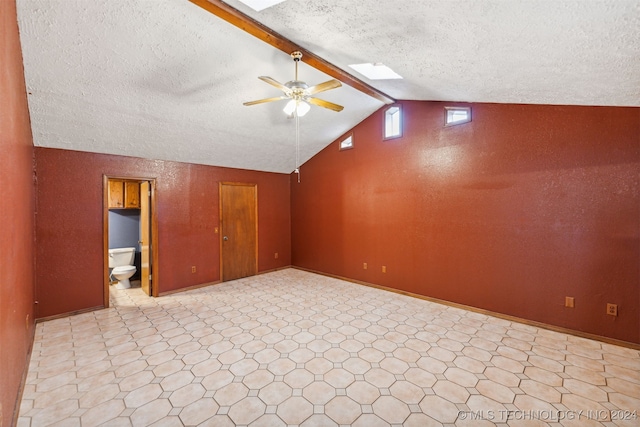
(297,56)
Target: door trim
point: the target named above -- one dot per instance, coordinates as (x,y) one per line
(243,184)
(105,234)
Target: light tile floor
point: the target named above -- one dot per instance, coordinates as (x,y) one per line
(293,348)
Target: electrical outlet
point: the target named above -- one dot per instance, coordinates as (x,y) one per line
(193,268)
(569,302)
(384,268)
(364,265)
(612,309)
(276,256)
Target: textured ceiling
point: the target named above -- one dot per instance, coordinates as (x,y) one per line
(165,79)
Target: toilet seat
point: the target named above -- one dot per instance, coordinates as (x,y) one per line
(124,269)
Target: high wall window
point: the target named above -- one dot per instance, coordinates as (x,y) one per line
(347,142)
(393,122)
(456,115)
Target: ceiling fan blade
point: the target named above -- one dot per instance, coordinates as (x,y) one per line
(275,83)
(330,84)
(325,104)
(262,101)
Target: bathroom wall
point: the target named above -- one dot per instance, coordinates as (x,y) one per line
(69,223)
(124,228)
(525,205)
(17,207)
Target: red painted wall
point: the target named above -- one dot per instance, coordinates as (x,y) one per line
(69,223)
(16,216)
(510,213)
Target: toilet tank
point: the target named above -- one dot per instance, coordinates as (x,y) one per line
(121,256)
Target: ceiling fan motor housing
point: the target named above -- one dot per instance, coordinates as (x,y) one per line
(298,89)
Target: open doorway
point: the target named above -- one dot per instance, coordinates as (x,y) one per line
(129,236)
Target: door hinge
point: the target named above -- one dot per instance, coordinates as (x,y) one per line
(149,277)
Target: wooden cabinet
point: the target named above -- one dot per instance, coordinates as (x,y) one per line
(116,193)
(124,194)
(132,194)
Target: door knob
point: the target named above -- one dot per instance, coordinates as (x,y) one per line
(225,238)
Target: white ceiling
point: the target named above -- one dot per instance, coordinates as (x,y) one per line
(164,79)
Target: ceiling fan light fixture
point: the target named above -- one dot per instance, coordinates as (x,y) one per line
(288,109)
(300,107)
(299,93)
(303,108)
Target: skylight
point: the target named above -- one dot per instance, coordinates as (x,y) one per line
(259,5)
(376,71)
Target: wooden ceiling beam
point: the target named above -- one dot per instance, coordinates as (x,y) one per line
(256,29)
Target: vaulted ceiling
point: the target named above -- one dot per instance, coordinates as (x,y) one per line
(166,79)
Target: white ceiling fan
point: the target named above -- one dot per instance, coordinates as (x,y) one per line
(299,93)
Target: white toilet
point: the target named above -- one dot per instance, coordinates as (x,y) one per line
(121,260)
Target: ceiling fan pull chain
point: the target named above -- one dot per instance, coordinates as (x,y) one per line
(297,171)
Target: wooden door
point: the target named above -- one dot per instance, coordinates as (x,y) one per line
(239,226)
(145,237)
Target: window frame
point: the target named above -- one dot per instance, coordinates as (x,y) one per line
(346,137)
(386,121)
(461,122)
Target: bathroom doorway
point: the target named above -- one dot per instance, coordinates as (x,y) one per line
(130,221)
